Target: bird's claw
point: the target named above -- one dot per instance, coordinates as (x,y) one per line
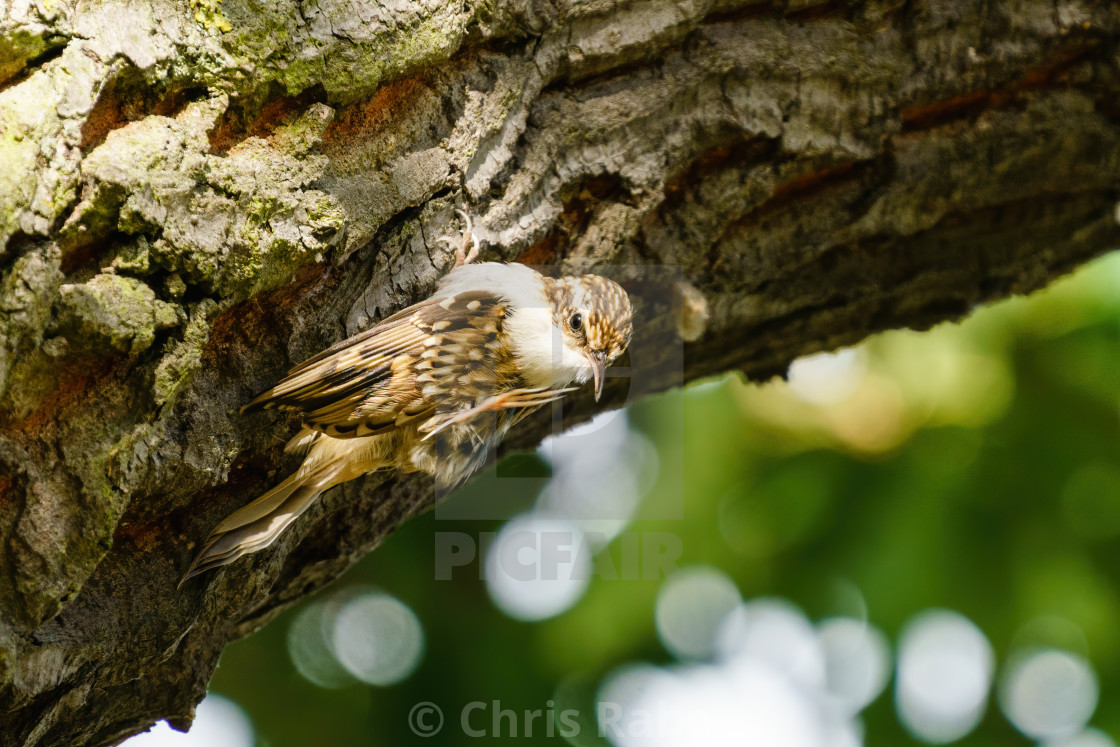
(465,246)
(517,398)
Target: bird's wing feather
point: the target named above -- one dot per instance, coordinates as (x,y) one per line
(435,356)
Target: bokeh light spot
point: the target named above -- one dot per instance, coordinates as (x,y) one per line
(312,650)
(827,378)
(748,704)
(601,470)
(537,567)
(1087,738)
(377,638)
(857,661)
(218,722)
(945,669)
(776,633)
(691,605)
(1048,693)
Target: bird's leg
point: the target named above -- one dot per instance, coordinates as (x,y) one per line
(513,399)
(467,249)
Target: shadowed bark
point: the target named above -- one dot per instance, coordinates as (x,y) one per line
(194,197)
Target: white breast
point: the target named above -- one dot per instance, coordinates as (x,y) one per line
(545,356)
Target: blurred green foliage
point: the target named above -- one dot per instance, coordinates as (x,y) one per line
(973,467)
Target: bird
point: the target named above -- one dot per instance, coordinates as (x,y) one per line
(433,388)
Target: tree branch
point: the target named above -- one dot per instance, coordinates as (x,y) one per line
(193,199)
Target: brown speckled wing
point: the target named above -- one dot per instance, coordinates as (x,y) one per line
(439,355)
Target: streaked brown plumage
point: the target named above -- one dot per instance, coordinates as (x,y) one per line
(432,388)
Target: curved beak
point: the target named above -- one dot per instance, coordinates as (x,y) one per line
(598,361)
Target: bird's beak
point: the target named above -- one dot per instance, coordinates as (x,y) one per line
(598,361)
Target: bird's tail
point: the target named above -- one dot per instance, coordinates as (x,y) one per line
(257,525)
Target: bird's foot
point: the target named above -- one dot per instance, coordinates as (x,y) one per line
(513,399)
(465,246)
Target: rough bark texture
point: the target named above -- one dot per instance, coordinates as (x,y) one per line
(194,197)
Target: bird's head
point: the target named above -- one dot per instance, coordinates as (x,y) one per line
(595,320)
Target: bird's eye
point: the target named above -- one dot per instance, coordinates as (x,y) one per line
(576,322)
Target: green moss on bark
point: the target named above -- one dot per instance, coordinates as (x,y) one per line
(27,292)
(112,311)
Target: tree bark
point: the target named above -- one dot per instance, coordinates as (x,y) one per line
(194,197)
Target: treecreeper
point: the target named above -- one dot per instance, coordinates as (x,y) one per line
(434,387)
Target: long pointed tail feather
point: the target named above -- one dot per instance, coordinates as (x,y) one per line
(257,525)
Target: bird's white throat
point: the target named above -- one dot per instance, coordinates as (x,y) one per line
(545,354)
